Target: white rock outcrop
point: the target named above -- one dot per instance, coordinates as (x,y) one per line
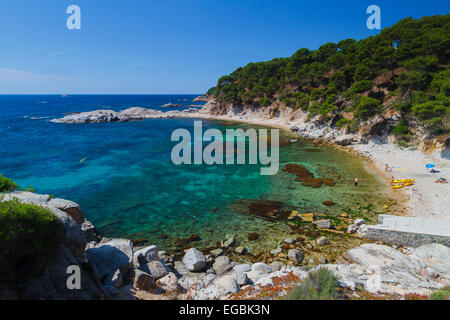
(380,268)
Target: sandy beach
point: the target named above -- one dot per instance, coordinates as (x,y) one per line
(425,198)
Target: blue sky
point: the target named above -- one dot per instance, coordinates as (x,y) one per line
(169,46)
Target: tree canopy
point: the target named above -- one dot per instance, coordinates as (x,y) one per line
(408,58)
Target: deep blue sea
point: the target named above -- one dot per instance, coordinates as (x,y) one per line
(128,186)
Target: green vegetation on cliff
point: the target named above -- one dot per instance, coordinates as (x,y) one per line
(405,65)
(28,233)
(6,184)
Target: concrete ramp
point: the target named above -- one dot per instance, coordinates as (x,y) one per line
(409,231)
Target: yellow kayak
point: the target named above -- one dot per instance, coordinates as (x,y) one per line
(402,185)
(404,181)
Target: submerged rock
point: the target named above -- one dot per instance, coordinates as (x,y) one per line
(295,256)
(275,251)
(217,252)
(228,243)
(311,182)
(253,236)
(240,250)
(323,224)
(322,241)
(289,241)
(260,208)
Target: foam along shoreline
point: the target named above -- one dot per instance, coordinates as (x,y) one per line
(424,199)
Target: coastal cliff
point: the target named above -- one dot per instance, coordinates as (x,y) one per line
(393,87)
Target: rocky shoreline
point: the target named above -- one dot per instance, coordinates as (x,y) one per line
(116,269)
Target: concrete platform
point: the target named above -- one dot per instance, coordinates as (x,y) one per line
(409,231)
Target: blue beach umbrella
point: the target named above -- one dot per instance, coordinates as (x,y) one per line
(430,165)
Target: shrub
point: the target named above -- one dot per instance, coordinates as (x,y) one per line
(265,102)
(361,86)
(367,107)
(290,102)
(362,72)
(402,144)
(353,126)
(337,80)
(6,184)
(342,123)
(319,285)
(402,105)
(30,189)
(326,108)
(28,233)
(442,294)
(429,109)
(401,128)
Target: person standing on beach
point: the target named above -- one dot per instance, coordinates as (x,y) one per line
(356,182)
(387,168)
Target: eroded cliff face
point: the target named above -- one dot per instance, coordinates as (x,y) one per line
(439,145)
(377,128)
(275,110)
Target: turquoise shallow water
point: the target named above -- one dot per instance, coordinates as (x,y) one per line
(128,186)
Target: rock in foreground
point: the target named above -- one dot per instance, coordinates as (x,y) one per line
(194,260)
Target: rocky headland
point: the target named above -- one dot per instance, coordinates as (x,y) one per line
(131,114)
